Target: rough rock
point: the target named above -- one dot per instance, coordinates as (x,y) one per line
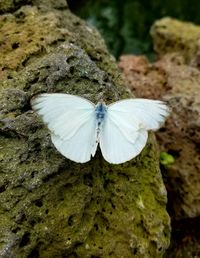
(171,35)
(178,84)
(175,78)
(142,78)
(50,206)
(182,137)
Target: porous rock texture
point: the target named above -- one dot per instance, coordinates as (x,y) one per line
(50,206)
(172,80)
(175,78)
(171,35)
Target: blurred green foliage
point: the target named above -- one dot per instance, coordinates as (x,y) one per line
(166,159)
(125,24)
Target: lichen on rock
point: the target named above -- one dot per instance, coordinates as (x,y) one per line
(49,205)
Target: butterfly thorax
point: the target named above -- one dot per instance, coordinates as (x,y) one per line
(100,112)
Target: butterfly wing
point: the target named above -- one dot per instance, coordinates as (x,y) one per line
(124,133)
(71,120)
(150,113)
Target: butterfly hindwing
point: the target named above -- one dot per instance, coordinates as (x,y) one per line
(81,145)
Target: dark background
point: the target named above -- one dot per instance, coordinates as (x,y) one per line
(125,24)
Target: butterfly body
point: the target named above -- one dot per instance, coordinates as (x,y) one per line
(100,111)
(77,125)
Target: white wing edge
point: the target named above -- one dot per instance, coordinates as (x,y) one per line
(38,97)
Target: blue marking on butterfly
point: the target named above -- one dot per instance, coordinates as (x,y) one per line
(100,112)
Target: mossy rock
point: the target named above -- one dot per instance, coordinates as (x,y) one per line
(171,35)
(49,205)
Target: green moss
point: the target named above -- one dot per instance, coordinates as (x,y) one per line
(6,5)
(166,159)
(25,36)
(171,35)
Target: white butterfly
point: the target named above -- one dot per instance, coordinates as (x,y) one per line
(77,125)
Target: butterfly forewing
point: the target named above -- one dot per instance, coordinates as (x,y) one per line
(150,113)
